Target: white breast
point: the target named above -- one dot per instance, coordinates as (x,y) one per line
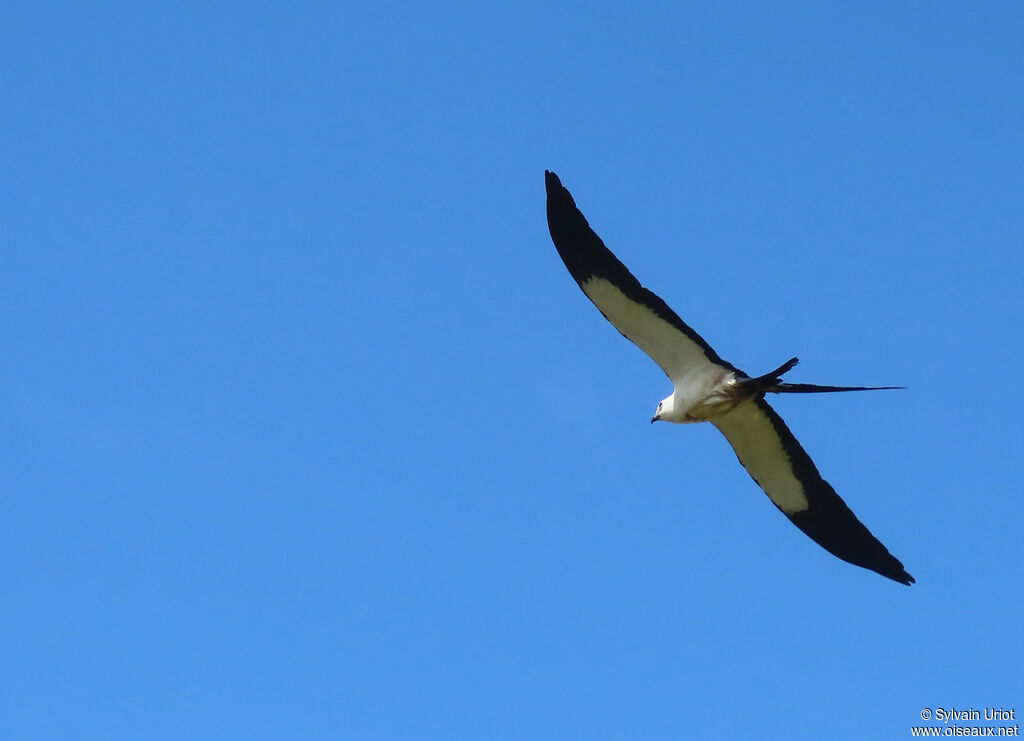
(706,392)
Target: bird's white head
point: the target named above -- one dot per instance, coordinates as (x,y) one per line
(666,410)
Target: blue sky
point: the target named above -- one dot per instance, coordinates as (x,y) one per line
(307,432)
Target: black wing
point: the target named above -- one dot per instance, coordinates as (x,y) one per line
(782,468)
(636,312)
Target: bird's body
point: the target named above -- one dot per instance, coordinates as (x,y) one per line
(702,394)
(707,388)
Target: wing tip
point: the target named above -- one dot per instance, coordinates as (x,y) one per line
(884,564)
(901,576)
(869,554)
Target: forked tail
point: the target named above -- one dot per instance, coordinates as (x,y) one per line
(773,383)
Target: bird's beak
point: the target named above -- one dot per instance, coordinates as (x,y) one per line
(655,418)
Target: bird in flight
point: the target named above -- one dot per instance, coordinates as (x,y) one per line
(709,389)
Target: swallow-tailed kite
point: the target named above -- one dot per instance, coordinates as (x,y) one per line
(710,389)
